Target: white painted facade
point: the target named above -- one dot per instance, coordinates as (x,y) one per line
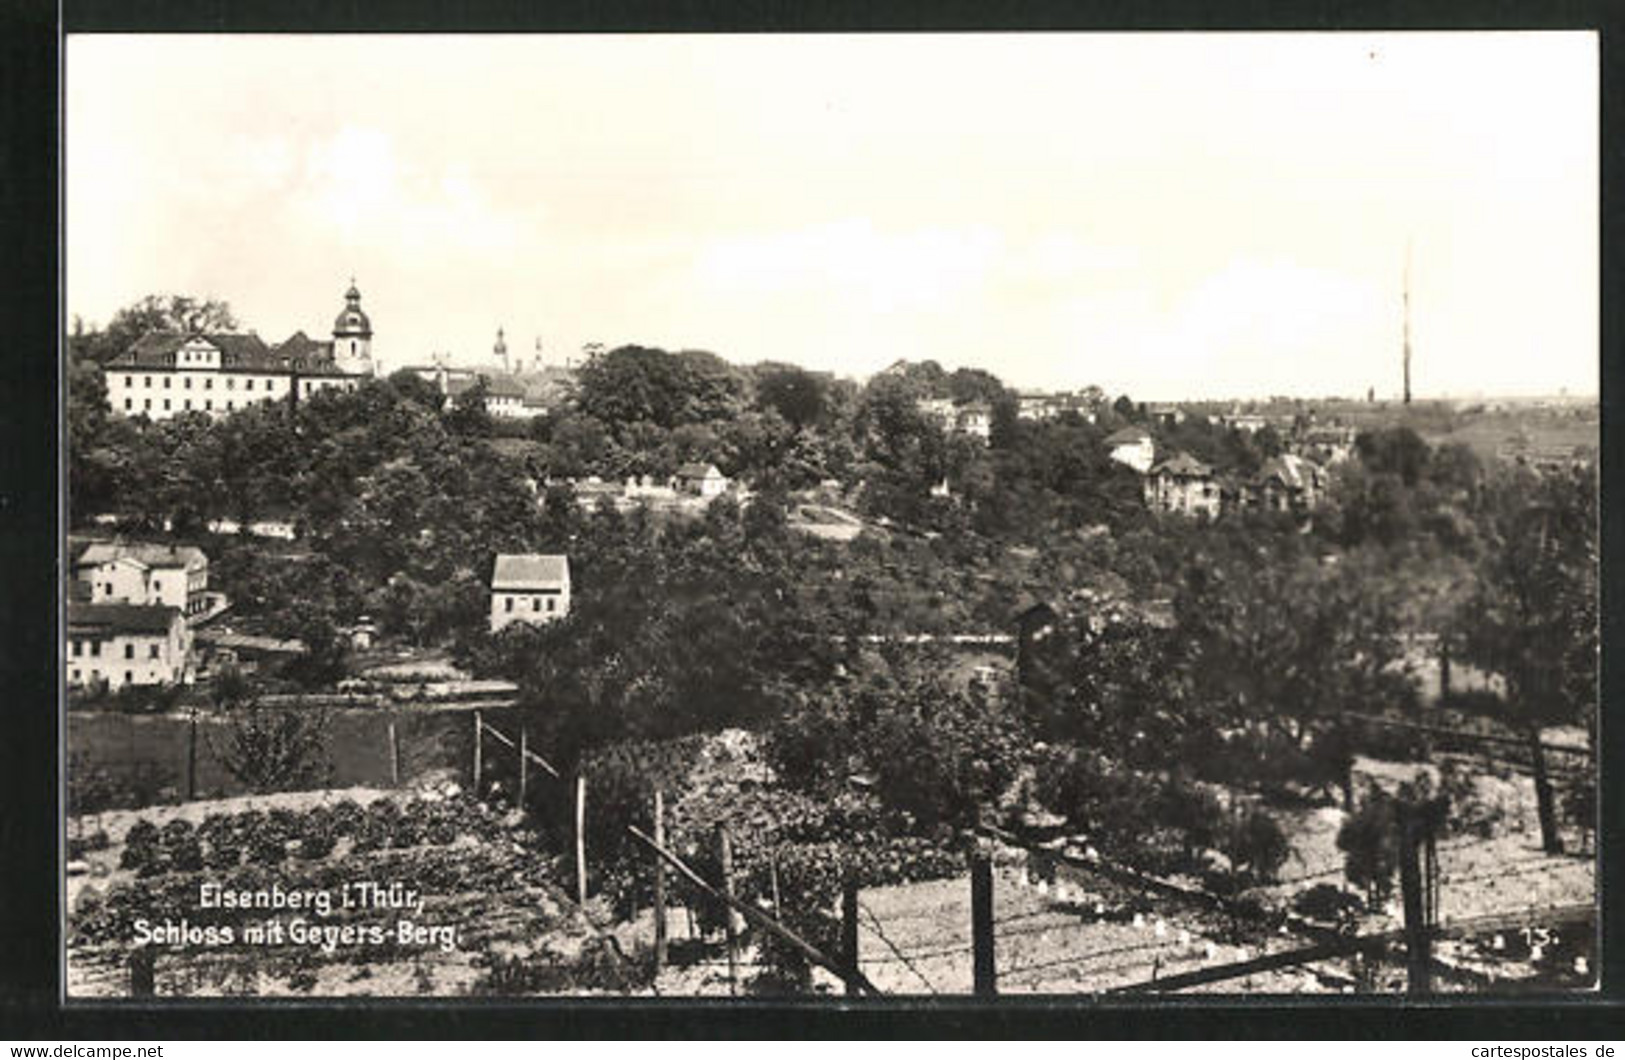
(115,656)
(529,588)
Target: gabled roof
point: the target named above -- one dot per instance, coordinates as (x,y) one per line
(110,619)
(1289,469)
(1128,436)
(1182,465)
(156,349)
(186,557)
(697,470)
(530,570)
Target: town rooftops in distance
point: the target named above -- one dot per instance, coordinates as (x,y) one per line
(529,571)
(185,557)
(698,470)
(156,619)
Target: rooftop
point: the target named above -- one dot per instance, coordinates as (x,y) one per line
(186,557)
(112,619)
(530,570)
(239,352)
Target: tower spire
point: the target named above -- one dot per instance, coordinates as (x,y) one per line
(1406,300)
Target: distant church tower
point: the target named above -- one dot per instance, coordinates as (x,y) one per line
(1407,306)
(501,350)
(352,336)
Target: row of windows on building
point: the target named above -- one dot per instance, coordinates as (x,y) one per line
(208,383)
(96,650)
(96,676)
(146,405)
(208,403)
(536,604)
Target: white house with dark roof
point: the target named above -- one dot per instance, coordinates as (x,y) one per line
(701,480)
(1185,485)
(170,373)
(127,644)
(137,573)
(529,587)
(1133,446)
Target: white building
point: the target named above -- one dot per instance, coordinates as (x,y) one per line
(135,573)
(169,373)
(528,587)
(975,419)
(1184,485)
(1133,446)
(127,644)
(701,480)
(1037,405)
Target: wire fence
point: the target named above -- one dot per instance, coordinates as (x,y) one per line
(1060,920)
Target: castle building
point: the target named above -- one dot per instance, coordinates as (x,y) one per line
(170,373)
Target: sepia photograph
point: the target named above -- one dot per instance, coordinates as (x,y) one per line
(830,516)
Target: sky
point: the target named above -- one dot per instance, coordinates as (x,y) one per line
(1164,215)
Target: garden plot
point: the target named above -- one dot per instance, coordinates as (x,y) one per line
(1494,864)
(1077,935)
(429,896)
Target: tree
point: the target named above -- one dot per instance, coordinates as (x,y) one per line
(1394,450)
(1532,614)
(172,312)
(1287,642)
(468,416)
(637,384)
(270,750)
(1370,853)
(795,393)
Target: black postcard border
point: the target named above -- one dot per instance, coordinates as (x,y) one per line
(30,537)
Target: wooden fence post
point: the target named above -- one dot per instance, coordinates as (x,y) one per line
(478,793)
(981,923)
(1545,804)
(581,839)
(191,757)
(524,764)
(849,927)
(395,755)
(660,883)
(143,973)
(726,855)
(1418,959)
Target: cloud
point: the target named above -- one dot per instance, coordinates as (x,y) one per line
(355,183)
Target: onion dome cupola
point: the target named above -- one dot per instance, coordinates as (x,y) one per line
(352,321)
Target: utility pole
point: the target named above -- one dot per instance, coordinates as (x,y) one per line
(1418,945)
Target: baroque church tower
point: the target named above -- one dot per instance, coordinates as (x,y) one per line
(352,336)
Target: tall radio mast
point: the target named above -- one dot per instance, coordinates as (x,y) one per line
(1406,299)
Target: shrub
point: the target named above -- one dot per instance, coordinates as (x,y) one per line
(140,845)
(1256,845)
(1367,840)
(1329,903)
